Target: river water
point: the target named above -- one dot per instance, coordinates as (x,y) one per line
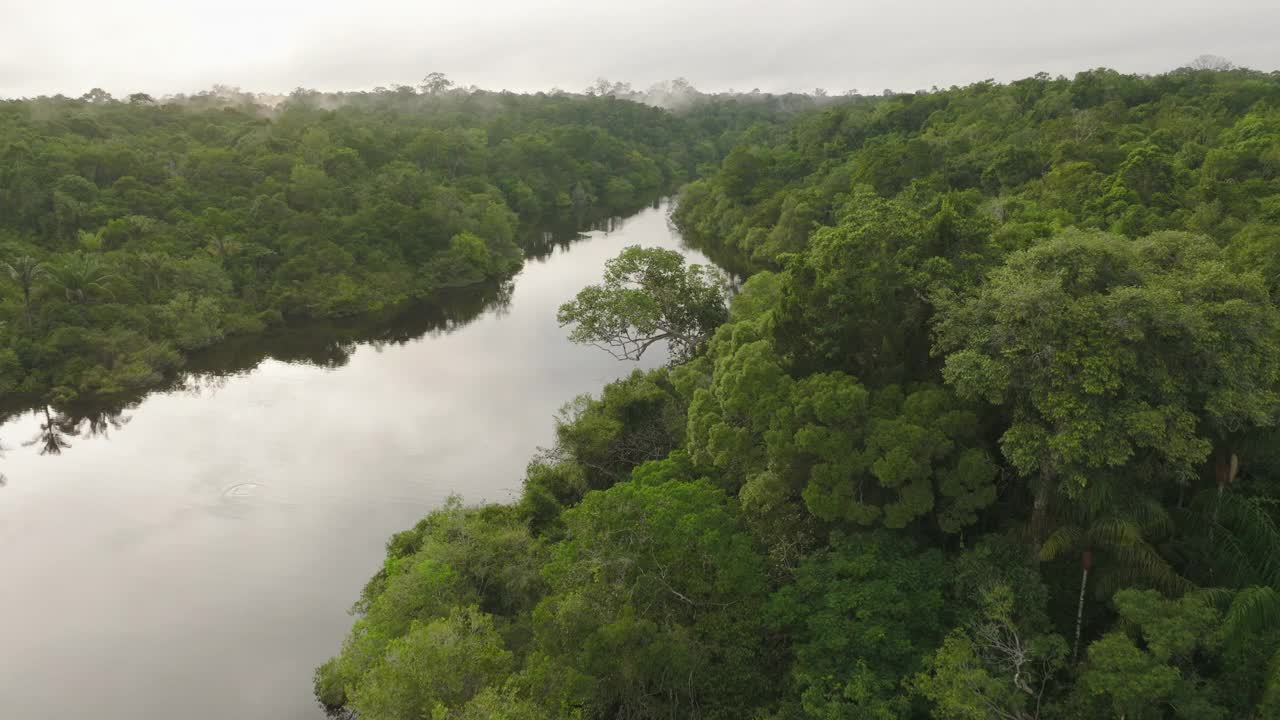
(193,556)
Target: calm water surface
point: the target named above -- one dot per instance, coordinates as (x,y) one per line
(197,561)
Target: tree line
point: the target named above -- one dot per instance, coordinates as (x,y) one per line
(135,231)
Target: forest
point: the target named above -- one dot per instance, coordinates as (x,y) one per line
(134,231)
(988,433)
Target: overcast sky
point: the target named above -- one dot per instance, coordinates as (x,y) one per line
(169,46)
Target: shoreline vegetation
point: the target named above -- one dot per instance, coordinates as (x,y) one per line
(135,231)
(989,433)
(324,341)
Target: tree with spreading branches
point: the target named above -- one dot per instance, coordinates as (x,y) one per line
(649,296)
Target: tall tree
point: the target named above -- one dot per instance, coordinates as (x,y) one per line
(82,276)
(1106,351)
(26,271)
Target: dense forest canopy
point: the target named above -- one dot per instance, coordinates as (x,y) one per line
(135,230)
(989,434)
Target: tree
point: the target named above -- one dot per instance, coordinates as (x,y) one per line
(1117,534)
(52,438)
(655,603)
(1216,63)
(636,419)
(81,276)
(1000,662)
(744,172)
(435,83)
(995,668)
(97,96)
(850,302)
(453,567)
(155,270)
(1234,544)
(1105,352)
(1146,672)
(442,663)
(862,614)
(26,271)
(648,296)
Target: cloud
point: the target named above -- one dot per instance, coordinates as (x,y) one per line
(160,46)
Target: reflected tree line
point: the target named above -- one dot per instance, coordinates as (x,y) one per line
(322,343)
(328,344)
(558,234)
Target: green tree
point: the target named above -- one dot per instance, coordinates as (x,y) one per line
(435,83)
(863,614)
(437,665)
(648,296)
(26,272)
(654,602)
(82,276)
(994,668)
(1118,537)
(1104,351)
(1149,673)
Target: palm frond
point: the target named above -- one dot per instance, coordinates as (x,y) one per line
(1250,521)
(1271,684)
(1061,541)
(1215,597)
(1245,547)
(1152,517)
(1114,531)
(1139,564)
(1253,610)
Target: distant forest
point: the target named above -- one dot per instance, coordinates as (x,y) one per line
(135,230)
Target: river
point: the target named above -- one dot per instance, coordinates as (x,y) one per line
(194,555)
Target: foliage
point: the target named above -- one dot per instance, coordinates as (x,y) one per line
(168,225)
(648,296)
(1105,349)
(1005,376)
(861,614)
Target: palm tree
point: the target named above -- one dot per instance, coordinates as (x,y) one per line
(26,271)
(82,275)
(52,437)
(1253,612)
(1237,547)
(156,270)
(90,241)
(1118,537)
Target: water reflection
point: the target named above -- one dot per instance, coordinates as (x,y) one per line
(58,426)
(225,531)
(327,344)
(330,344)
(540,244)
(321,343)
(52,439)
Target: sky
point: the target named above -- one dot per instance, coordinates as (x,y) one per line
(182,46)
